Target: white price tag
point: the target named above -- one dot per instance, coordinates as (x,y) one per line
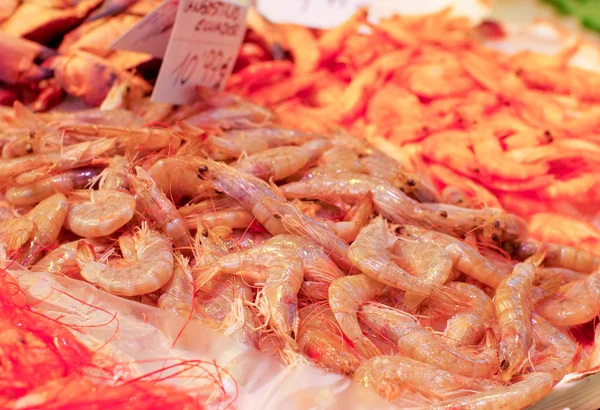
(310,13)
(151,34)
(202,50)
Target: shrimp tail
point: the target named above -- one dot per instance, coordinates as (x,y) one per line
(537,258)
(85,252)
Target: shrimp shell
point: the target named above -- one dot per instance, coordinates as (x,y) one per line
(93,214)
(149,271)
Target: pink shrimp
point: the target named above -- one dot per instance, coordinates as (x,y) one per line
(388,374)
(299,224)
(247,190)
(371,254)
(555,351)
(150,268)
(177,295)
(560,256)
(345,296)
(60,183)
(162,210)
(321,340)
(465,258)
(281,162)
(62,260)
(513,309)
(575,303)
(176,180)
(390,202)
(421,344)
(48,217)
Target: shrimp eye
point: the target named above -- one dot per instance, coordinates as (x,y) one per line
(31,134)
(411,182)
(28,148)
(504,365)
(276,216)
(495,237)
(202,170)
(444,214)
(476,170)
(496,224)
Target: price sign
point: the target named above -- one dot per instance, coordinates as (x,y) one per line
(310,13)
(151,34)
(202,50)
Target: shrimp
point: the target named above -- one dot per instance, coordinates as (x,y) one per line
(93,214)
(505,227)
(389,201)
(417,187)
(281,162)
(161,209)
(222,305)
(514,397)
(559,256)
(463,329)
(232,218)
(60,183)
(178,293)
(370,253)
(464,257)
(249,191)
(513,309)
(175,178)
(454,196)
(345,296)
(555,351)
(492,160)
(14,233)
(388,374)
(62,260)
(135,139)
(33,167)
(321,340)
(115,175)
(480,312)
(421,344)
(281,294)
(241,115)
(48,217)
(429,262)
(337,159)
(356,218)
(294,221)
(282,281)
(564,230)
(575,303)
(560,275)
(234,143)
(149,270)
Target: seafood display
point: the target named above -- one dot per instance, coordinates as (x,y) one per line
(514,130)
(402,207)
(291,242)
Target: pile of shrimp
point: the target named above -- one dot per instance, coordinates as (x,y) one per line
(314,247)
(514,131)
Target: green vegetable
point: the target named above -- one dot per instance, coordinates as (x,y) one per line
(587,11)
